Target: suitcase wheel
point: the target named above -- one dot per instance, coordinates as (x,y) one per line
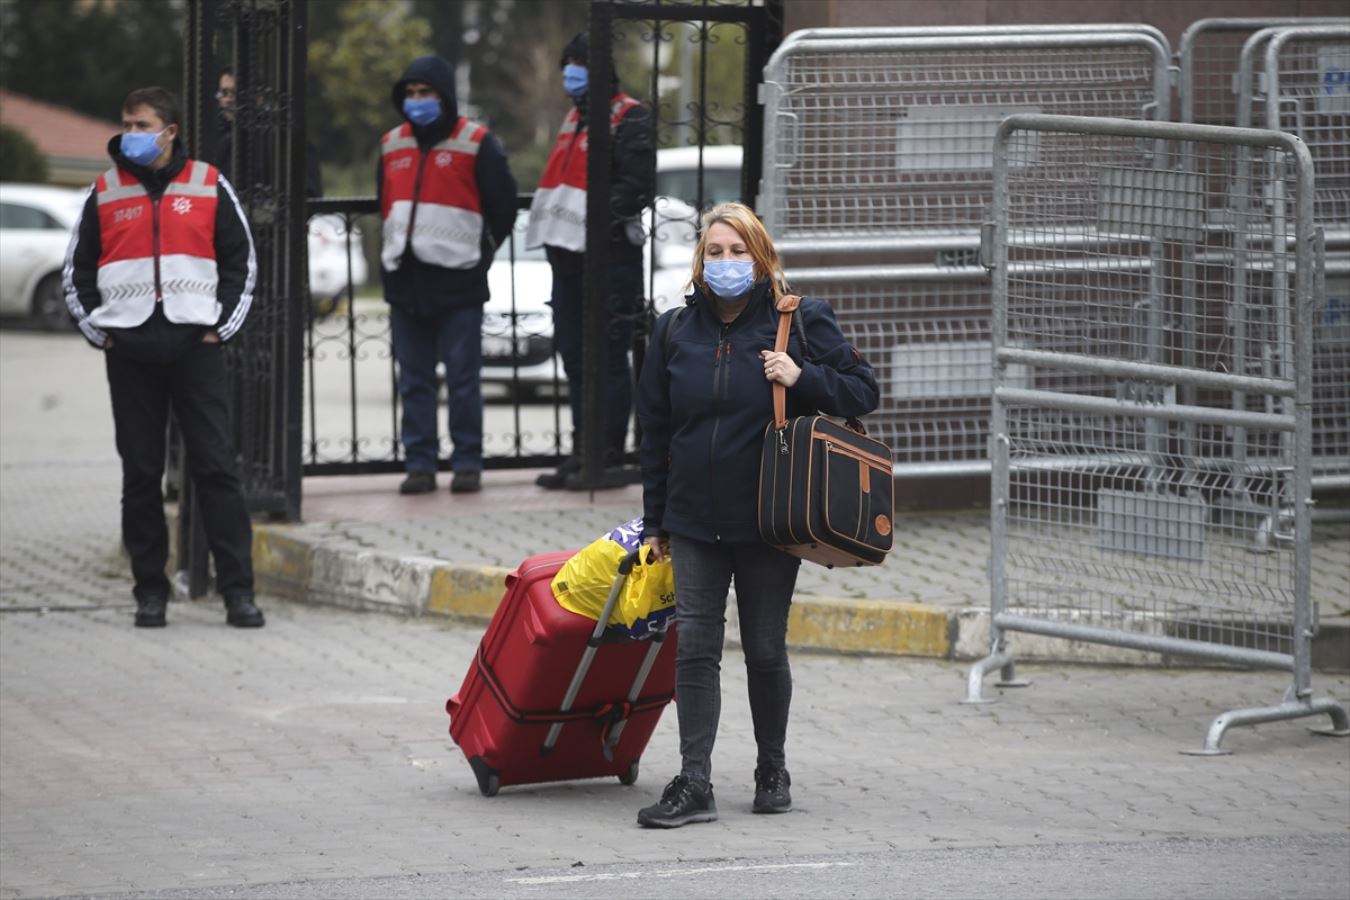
(630,777)
(489,779)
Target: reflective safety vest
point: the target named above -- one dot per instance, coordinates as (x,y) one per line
(558,212)
(157,250)
(433,195)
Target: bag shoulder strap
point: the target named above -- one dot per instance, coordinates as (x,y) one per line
(670,330)
(787,311)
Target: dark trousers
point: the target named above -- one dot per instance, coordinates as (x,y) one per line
(765,578)
(195,384)
(455,339)
(624,306)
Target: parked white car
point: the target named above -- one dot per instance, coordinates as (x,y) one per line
(327,250)
(35,225)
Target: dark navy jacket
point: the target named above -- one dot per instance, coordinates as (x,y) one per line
(423,289)
(704,403)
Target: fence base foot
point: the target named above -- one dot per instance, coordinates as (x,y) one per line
(1289,709)
(975,679)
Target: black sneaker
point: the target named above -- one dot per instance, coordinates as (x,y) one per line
(771,791)
(682,802)
(555,480)
(150,612)
(242,612)
(418,483)
(466,481)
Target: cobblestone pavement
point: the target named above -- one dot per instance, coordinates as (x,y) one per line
(317,748)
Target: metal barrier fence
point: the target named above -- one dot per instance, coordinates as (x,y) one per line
(878,152)
(1135,471)
(1297,80)
(1207,58)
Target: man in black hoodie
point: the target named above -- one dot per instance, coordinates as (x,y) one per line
(558,223)
(447,199)
(159,274)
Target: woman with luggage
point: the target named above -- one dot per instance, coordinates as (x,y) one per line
(704,400)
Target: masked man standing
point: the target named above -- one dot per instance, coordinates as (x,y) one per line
(558,223)
(448,199)
(159,274)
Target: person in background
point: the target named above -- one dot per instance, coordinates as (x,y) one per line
(558,224)
(226,95)
(704,400)
(448,200)
(159,274)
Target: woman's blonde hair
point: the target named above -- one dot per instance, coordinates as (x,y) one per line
(743,220)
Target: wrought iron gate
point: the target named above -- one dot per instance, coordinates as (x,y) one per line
(264,43)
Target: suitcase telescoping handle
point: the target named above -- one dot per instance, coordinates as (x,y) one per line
(592,645)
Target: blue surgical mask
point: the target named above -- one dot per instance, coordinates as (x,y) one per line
(422,111)
(575,79)
(141,147)
(729,278)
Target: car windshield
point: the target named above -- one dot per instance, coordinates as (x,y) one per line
(517,238)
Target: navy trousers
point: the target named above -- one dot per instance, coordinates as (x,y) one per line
(454,339)
(625,305)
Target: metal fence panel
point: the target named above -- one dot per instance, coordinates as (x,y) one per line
(889,137)
(1145,479)
(1208,59)
(1301,86)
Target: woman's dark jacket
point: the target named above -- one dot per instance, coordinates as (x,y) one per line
(704,403)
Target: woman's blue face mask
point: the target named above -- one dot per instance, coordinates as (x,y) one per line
(141,147)
(729,278)
(575,79)
(422,110)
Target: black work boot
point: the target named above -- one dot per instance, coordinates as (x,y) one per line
(150,611)
(466,481)
(771,790)
(242,612)
(557,479)
(418,483)
(684,801)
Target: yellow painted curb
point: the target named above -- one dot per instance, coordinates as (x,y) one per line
(470,592)
(281,561)
(869,626)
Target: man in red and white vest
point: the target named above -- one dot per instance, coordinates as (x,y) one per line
(447,200)
(558,224)
(159,274)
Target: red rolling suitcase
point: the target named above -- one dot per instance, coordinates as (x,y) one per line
(551,695)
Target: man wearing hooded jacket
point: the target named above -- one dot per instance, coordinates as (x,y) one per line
(159,274)
(558,223)
(447,199)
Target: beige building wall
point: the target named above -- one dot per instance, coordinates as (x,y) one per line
(1169,16)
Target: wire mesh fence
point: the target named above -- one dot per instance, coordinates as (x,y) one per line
(1152,461)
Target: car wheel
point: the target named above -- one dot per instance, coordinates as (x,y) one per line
(49,305)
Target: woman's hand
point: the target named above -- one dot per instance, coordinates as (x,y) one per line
(779,367)
(660,548)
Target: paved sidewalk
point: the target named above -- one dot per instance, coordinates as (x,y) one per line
(364,546)
(316,748)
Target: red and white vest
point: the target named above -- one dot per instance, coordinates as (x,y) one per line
(157,250)
(433,194)
(558,212)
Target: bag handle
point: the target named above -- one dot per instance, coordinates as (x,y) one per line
(787,305)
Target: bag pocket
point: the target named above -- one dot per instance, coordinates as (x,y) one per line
(857,496)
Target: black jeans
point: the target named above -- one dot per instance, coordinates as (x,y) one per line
(625,304)
(141,394)
(765,578)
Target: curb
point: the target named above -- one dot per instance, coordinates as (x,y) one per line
(289,566)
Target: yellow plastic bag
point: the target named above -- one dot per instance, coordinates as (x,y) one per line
(646,604)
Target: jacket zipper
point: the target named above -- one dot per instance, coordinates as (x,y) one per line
(154,245)
(417,193)
(719,381)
